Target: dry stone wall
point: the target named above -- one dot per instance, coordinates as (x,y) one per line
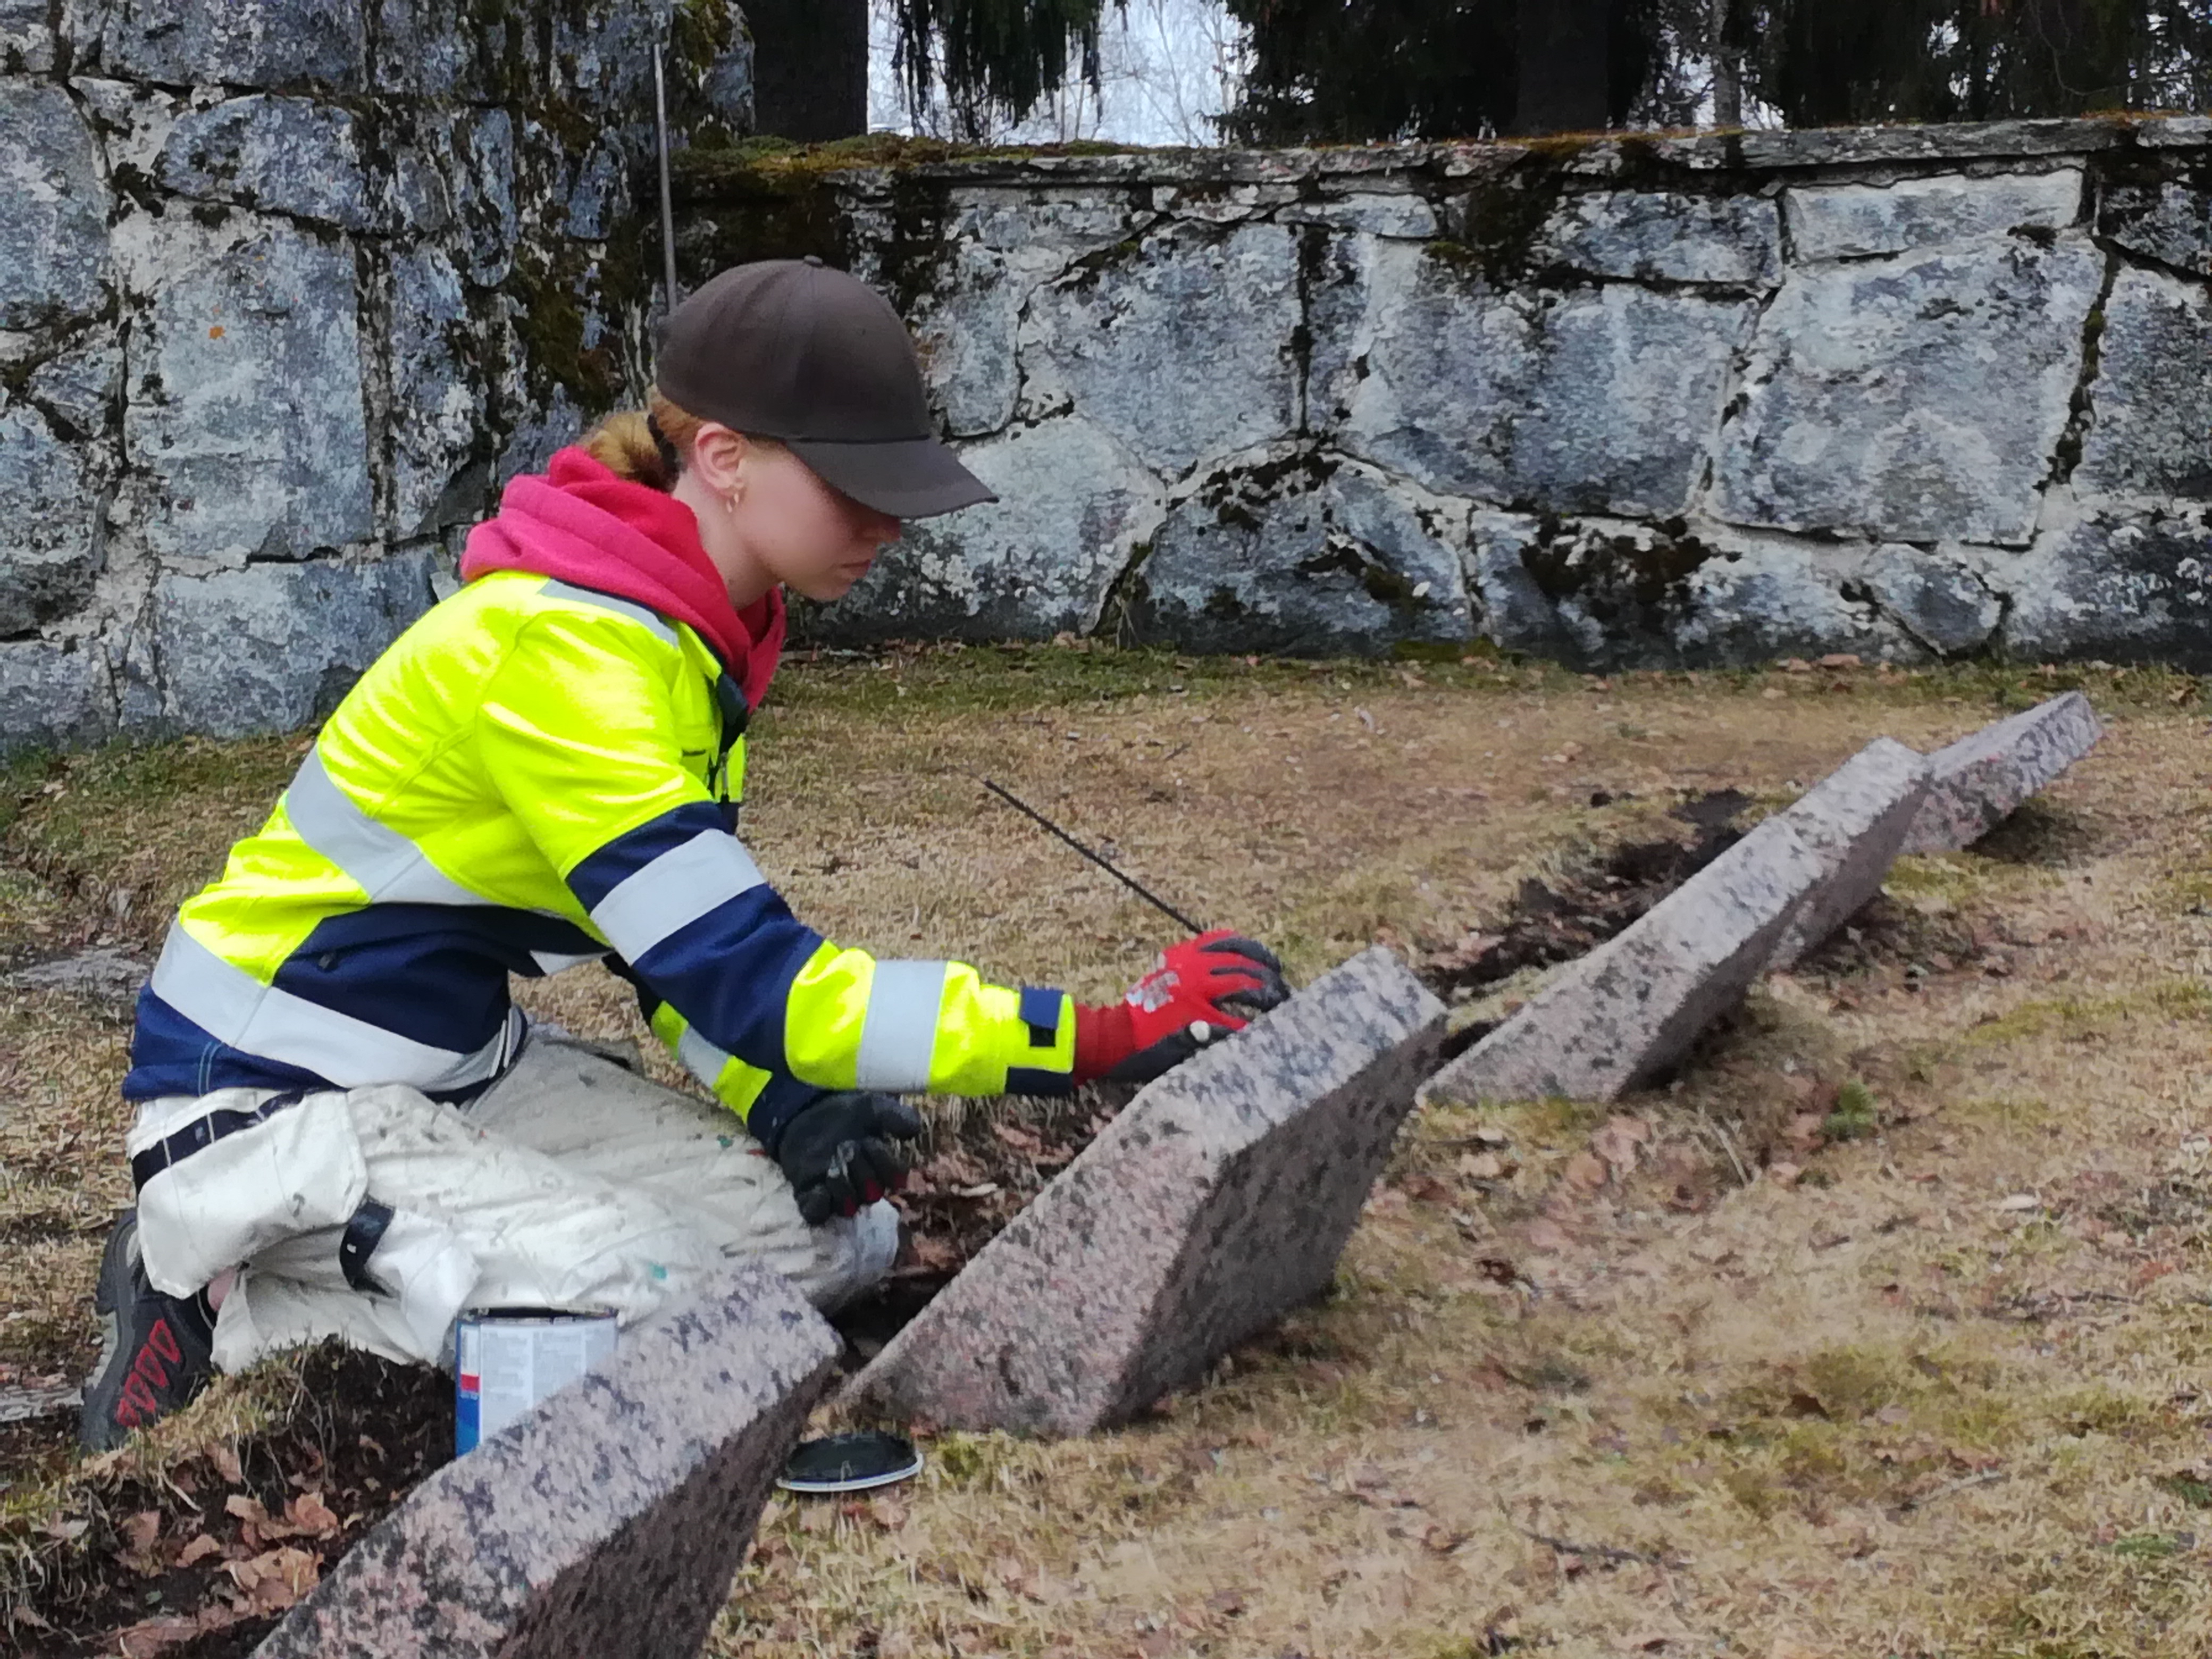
(1912,393)
(286,288)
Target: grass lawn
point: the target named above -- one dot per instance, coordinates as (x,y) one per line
(1883,1330)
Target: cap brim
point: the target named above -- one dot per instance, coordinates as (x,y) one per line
(911,479)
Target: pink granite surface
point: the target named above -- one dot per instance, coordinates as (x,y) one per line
(606,1523)
(1218,1201)
(1633,1006)
(1981,780)
(1855,821)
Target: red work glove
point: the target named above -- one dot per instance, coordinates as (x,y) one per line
(1202,989)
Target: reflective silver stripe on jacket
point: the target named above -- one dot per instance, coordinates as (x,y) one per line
(900,1032)
(234,1008)
(559,961)
(388,866)
(705,1060)
(631,608)
(677,889)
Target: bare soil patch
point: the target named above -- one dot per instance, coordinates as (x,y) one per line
(197,1554)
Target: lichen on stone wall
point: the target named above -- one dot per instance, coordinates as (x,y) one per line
(1664,400)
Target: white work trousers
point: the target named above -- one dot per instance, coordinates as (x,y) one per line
(570,1183)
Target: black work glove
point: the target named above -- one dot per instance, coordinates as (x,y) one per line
(836,1151)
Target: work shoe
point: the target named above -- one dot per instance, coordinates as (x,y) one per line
(155,1349)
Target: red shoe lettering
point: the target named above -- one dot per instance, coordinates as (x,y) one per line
(163,1341)
(136,1395)
(150,1369)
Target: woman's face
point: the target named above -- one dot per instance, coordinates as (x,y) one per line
(766,519)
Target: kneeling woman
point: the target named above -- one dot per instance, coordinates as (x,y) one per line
(344,1126)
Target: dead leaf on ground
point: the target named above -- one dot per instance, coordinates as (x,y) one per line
(150,1636)
(1485,1166)
(1547,1236)
(1618,1140)
(198,1549)
(277,1579)
(1586,1171)
(888,1513)
(225,1460)
(311,1516)
(1427,1189)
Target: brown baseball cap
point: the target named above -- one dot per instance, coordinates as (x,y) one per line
(817,360)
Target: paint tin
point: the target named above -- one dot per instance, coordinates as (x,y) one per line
(508,1359)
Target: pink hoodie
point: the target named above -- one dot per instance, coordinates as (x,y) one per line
(581,523)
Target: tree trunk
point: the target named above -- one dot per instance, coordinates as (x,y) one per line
(810,68)
(1727,69)
(1564,66)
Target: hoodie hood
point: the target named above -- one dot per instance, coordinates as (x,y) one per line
(581,523)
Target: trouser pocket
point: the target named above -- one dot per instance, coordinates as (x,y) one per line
(223,1177)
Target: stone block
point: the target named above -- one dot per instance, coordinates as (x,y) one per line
(1300,553)
(426,47)
(1854,821)
(964,326)
(1661,236)
(288,155)
(1366,214)
(1978,782)
(77,385)
(1583,400)
(480,176)
(1938,600)
(1182,348)
(1916,399)
(245,413)
(609,1520)
(28,39)
(2117,582)
(1606,594)
(1632,1007)
(2152,397)
(268,43)
(273,648)
(1218,1201)
(2168,219)
(1072,505)
(1839,221)
(53,209)
(53,695)
(437,474)
(50,538)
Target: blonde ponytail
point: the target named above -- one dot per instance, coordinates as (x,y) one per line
(649,447)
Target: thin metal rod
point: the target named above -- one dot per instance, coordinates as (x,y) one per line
(667,207)
(1151,898)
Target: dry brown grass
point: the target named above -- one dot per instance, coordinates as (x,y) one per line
(1662,1410)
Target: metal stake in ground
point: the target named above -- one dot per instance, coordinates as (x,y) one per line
(667,212)
(1151,898)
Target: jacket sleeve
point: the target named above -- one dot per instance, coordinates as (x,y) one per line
(577,734)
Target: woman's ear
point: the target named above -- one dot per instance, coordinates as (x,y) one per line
(718,456)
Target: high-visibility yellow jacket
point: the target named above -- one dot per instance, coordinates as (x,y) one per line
(535,776)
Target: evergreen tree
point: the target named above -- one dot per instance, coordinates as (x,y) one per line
(994,57)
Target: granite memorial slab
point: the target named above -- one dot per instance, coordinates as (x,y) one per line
(1981,780)
(1633,1006)
(1855,820)
(1219,1199)
(609,1520)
